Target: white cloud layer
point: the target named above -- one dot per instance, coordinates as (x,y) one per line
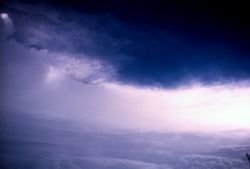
(197,108)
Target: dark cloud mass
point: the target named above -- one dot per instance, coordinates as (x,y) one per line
(155,43)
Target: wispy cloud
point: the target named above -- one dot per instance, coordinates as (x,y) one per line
(80,69)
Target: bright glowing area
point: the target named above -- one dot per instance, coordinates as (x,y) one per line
(4,16)
(196,108)
(54,75)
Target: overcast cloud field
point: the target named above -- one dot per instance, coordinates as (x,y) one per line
(37,142)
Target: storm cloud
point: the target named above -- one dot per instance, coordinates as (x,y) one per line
(107,84)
